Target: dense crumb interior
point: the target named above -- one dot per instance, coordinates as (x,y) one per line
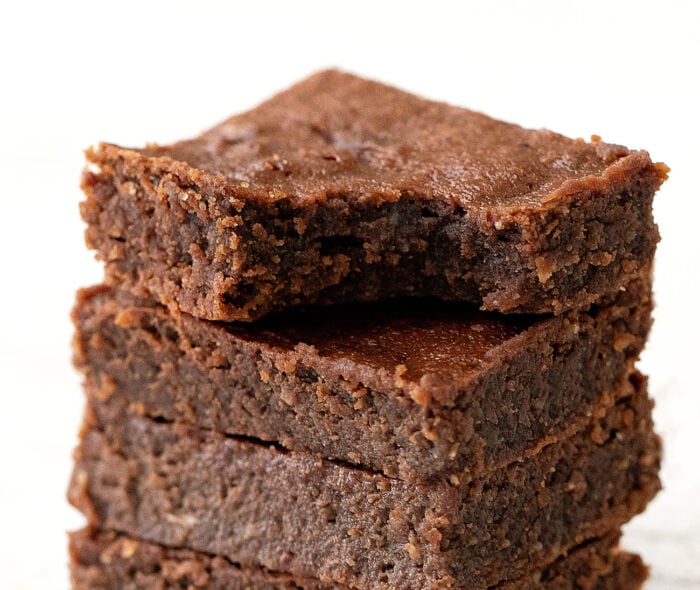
(218,257)
(596,484)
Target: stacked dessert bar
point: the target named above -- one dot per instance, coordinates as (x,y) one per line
(357,339)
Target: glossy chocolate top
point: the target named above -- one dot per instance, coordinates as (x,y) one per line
(335,133)
(407,341)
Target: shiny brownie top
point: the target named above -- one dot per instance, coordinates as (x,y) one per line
(335,133)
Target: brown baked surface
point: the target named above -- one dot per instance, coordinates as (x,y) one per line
(259,506)
(113,561)
(411,389)
(342,189)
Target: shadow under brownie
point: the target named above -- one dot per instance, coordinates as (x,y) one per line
(113,561)
(341,189)
(259,506)
(411,389)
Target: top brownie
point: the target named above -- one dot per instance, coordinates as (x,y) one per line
(342,189)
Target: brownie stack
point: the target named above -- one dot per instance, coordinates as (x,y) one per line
(357,339)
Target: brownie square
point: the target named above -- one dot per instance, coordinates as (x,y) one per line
(341,189)
(114,561)
(411,389)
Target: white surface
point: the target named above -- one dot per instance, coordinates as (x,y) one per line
(129,72)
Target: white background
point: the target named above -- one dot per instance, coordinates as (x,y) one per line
(130,72)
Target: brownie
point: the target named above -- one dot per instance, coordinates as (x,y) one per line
(108,560)
(414,389)
(260,506)
(341,189)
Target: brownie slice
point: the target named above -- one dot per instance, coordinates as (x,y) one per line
(411,389)
(259,506)
(108,560)
(342,189)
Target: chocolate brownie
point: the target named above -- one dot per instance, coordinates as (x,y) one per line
(342,189)
(260,506)
(411,389)
(108,560)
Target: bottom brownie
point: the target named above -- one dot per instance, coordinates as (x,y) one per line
(107,560)
(112,561)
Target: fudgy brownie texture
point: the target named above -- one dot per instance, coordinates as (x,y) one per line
(411,389)
(113,561)
(342,189)
(260,506)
